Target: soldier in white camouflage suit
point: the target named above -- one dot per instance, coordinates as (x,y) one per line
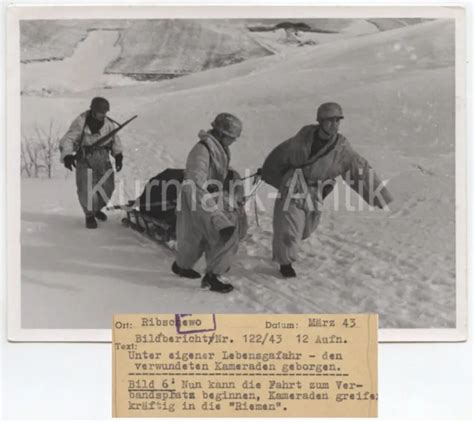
(94,174)
(320,154)
(206,225)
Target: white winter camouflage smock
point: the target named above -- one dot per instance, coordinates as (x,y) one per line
(95,165)
(202,216)
(297,220)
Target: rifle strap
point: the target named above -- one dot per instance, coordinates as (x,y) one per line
(321,153)
(112,120)
(107,146)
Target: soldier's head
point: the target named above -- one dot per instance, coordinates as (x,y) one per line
(99,108)
(328,116)
(226,128)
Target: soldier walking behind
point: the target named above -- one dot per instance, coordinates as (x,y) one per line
(94,173)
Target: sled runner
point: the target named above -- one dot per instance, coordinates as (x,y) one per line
(153,228)
(153,213)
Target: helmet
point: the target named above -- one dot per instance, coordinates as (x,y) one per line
(100,105)
(227,124)
(328,111)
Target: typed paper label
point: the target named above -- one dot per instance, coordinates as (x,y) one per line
(244,365)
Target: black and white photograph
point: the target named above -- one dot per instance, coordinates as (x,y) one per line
(299,160)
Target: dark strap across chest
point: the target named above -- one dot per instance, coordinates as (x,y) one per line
(317,145)
(319,150)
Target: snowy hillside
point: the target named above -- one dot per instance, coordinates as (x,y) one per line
(400,264)
(57,39)
(78,72)
(383,24)
(179,47)
(154,48)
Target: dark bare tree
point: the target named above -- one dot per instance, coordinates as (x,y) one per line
(48,142)
(38,152)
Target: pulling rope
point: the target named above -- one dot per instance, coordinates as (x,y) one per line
(257,173)
(256,213)
(253,192)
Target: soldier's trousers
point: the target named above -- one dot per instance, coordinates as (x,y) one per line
(195,238)
(290,227)
(95,185)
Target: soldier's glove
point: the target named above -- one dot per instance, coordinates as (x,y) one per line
(118,162)
(69,162)
(226,233)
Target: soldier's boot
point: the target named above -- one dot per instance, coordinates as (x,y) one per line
(212,282)
(91,222)
(188,273)
(100,215)
(287,271)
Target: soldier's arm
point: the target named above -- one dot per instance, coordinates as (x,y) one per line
(70,141)
(361,177)
(197,171)
(116,146)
